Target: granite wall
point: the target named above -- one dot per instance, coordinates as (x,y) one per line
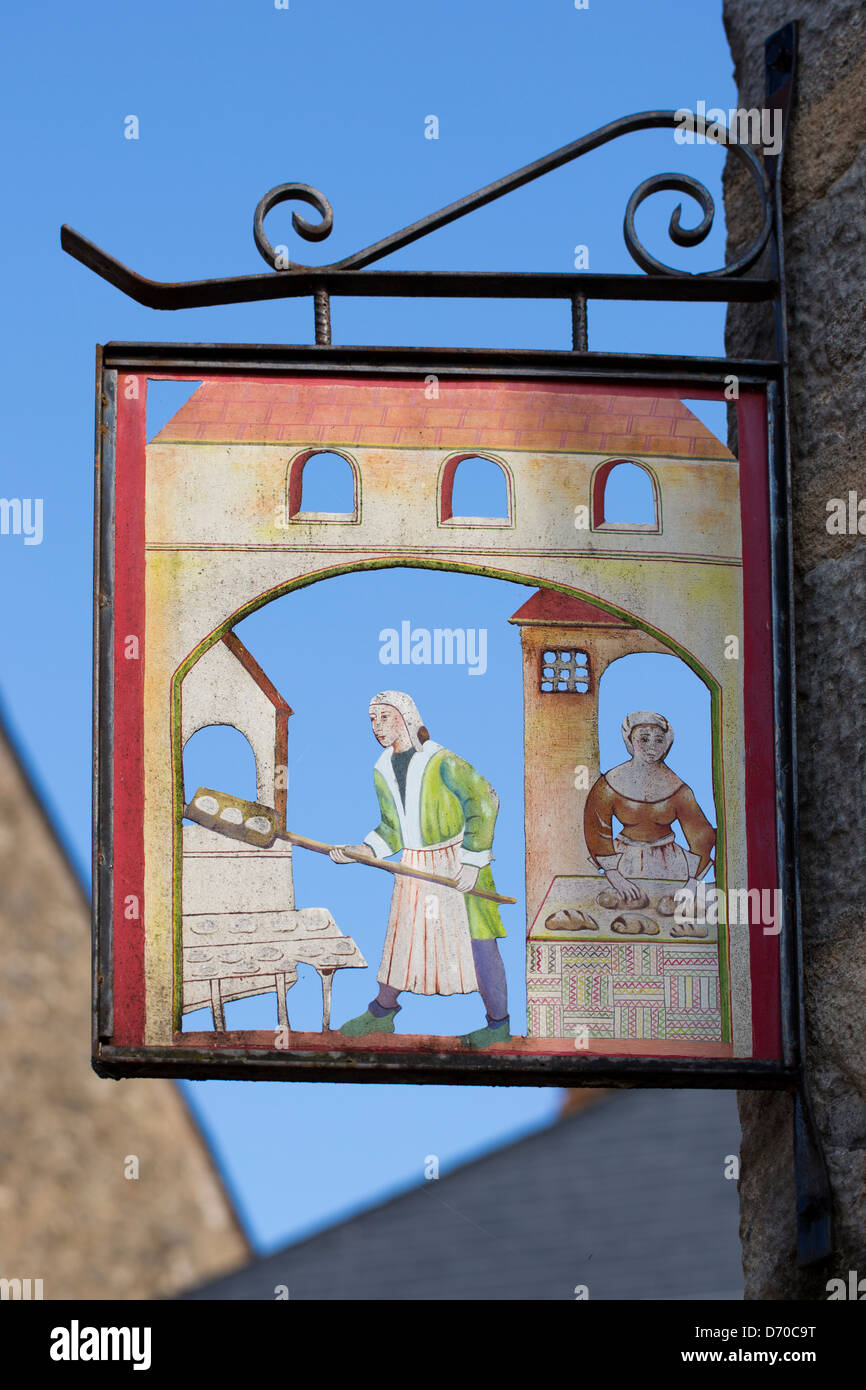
(825,244)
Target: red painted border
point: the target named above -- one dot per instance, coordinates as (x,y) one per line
(446,492)
(129,614)
(128,768)
(296,482)
(759,713)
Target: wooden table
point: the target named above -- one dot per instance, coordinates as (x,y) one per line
(260,952)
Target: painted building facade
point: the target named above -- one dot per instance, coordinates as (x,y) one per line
(226,532)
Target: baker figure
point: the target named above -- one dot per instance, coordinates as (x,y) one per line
(440,813)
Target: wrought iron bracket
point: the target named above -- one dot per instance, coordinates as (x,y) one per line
(814,1198)
(290,280)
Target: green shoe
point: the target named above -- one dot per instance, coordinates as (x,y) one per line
(486,1037)
(369,1023)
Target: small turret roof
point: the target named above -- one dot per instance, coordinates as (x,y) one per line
(550,606)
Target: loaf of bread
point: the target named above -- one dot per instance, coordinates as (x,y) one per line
(570,919)
(635,925)
(608,897)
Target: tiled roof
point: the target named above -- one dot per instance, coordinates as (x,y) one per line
(628,1197)
(468,415)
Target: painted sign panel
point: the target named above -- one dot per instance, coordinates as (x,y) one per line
(507,640)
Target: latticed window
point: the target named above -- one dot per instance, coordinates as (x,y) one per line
(565,670)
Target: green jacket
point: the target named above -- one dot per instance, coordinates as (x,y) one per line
(445,797)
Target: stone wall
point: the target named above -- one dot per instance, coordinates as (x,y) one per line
(825,247)
(68,1214)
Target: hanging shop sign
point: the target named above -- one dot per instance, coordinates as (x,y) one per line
(445,720)
(503,649)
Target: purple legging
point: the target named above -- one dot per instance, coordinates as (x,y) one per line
(491,981)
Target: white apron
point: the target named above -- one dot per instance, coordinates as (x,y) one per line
(662,858)
(428,948)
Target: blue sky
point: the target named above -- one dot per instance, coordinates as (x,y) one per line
(231,99)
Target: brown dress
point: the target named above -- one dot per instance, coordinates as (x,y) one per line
(646,847)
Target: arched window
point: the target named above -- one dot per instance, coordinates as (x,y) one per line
(665,684)
(220,757)
(475,491)
(625,497)
(322,486)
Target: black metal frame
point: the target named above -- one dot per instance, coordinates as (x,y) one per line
(348,278)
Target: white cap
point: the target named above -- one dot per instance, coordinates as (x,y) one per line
(406,708)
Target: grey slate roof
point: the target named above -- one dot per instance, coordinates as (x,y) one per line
(627,1197)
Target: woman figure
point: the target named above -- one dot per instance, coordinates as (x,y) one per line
(646,797)
(440,813)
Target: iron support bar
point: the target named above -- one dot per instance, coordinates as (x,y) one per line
(194,358)
(411,284)
(814,1198)
(579,325)
(323,317)
(185,1059)
(102,960)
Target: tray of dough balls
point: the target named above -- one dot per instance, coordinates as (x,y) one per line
(579,908)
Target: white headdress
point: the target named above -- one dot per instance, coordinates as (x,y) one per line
(406,707)
(645,716)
